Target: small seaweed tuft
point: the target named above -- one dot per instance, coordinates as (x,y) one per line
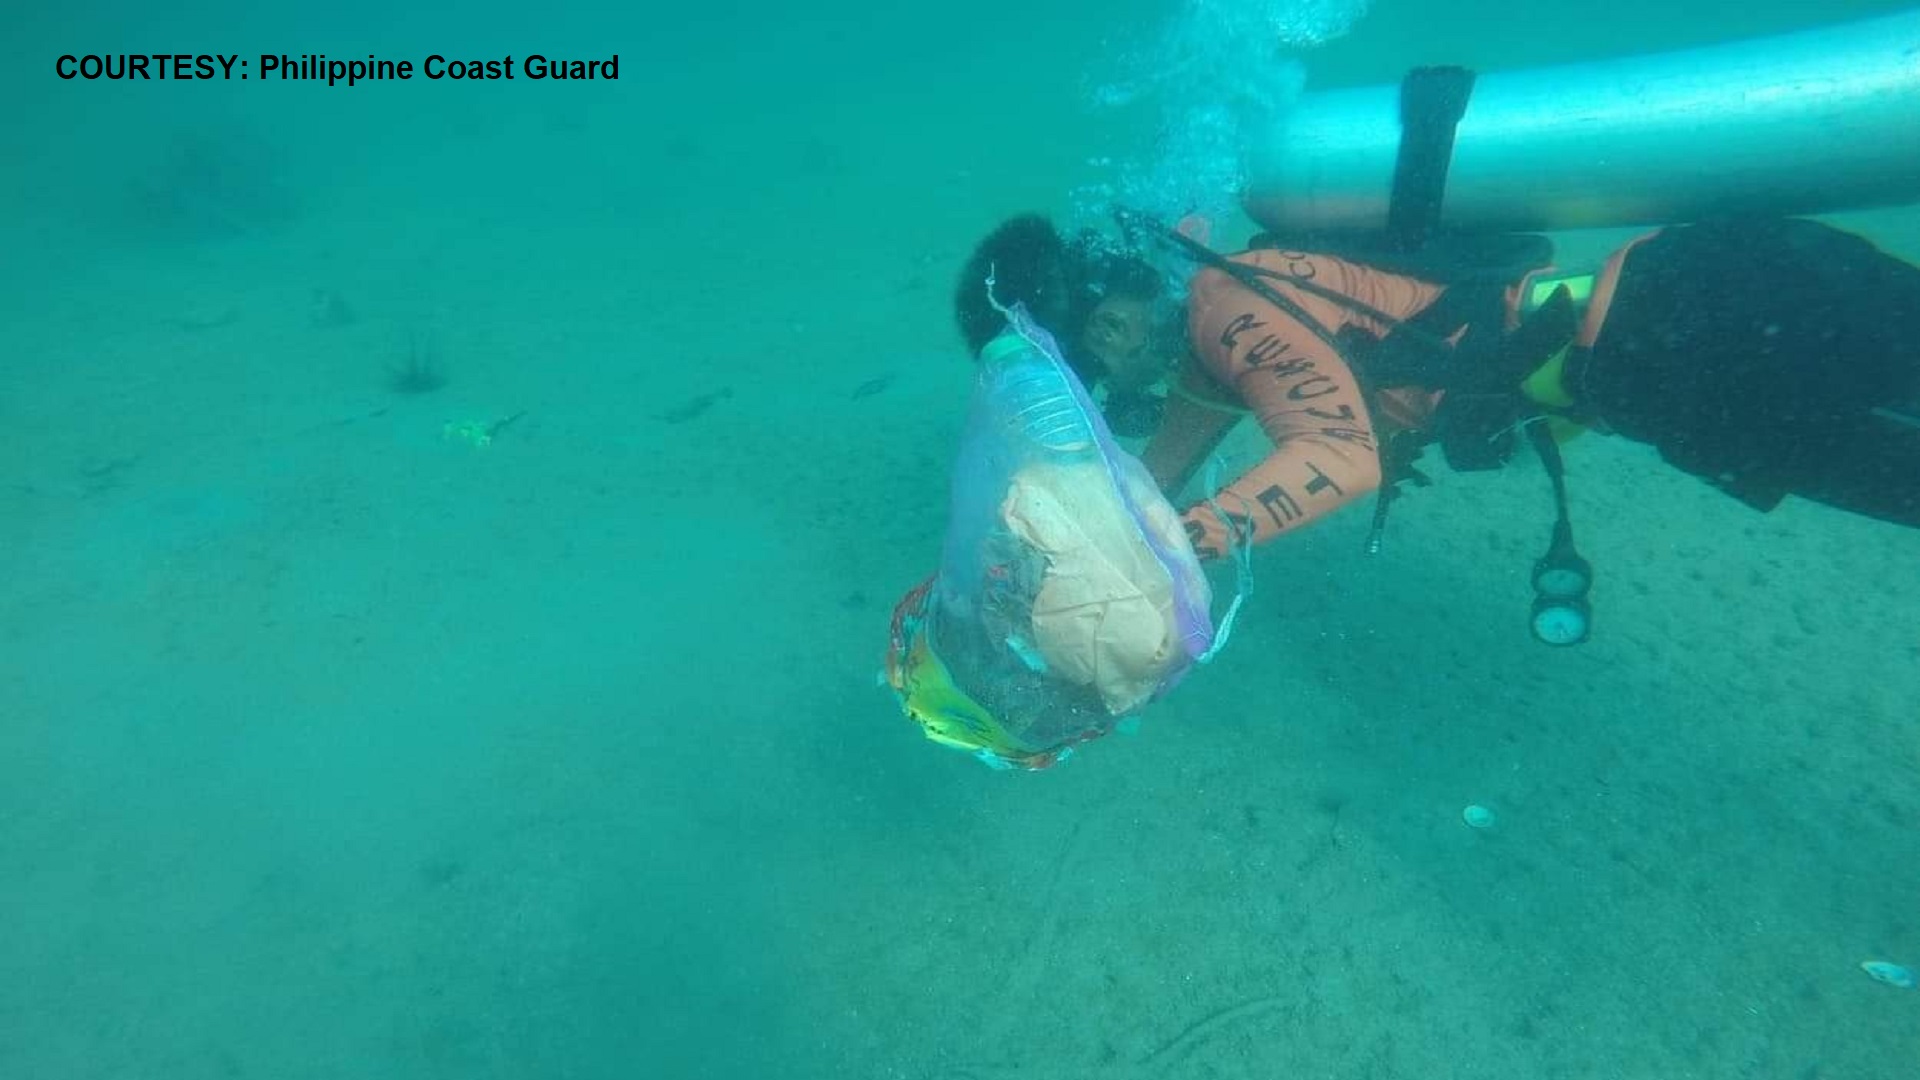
(420,372)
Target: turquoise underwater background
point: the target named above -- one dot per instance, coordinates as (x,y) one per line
(450,531)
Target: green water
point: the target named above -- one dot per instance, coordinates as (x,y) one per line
(335,742)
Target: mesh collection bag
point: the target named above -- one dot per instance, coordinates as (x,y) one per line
(1068,596)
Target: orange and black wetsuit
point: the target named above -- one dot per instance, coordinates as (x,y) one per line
(1770,357)
(1250,354)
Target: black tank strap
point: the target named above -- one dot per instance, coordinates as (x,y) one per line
(1432,102)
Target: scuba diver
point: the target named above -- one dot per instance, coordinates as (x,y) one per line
(1768,356)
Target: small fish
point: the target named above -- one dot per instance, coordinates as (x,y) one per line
(498,426)
(1890,973)
(872,386)
(694,406)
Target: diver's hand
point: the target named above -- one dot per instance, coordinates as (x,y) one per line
(1204,532)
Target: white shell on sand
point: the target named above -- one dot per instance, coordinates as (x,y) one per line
(1478,816)
(1890,973)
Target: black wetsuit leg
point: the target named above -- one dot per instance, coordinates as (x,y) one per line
(1770,357)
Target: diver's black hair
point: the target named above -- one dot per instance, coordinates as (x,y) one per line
(1060,281)
(1027,261)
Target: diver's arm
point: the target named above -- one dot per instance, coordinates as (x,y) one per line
(1305,398)
(1195,422)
